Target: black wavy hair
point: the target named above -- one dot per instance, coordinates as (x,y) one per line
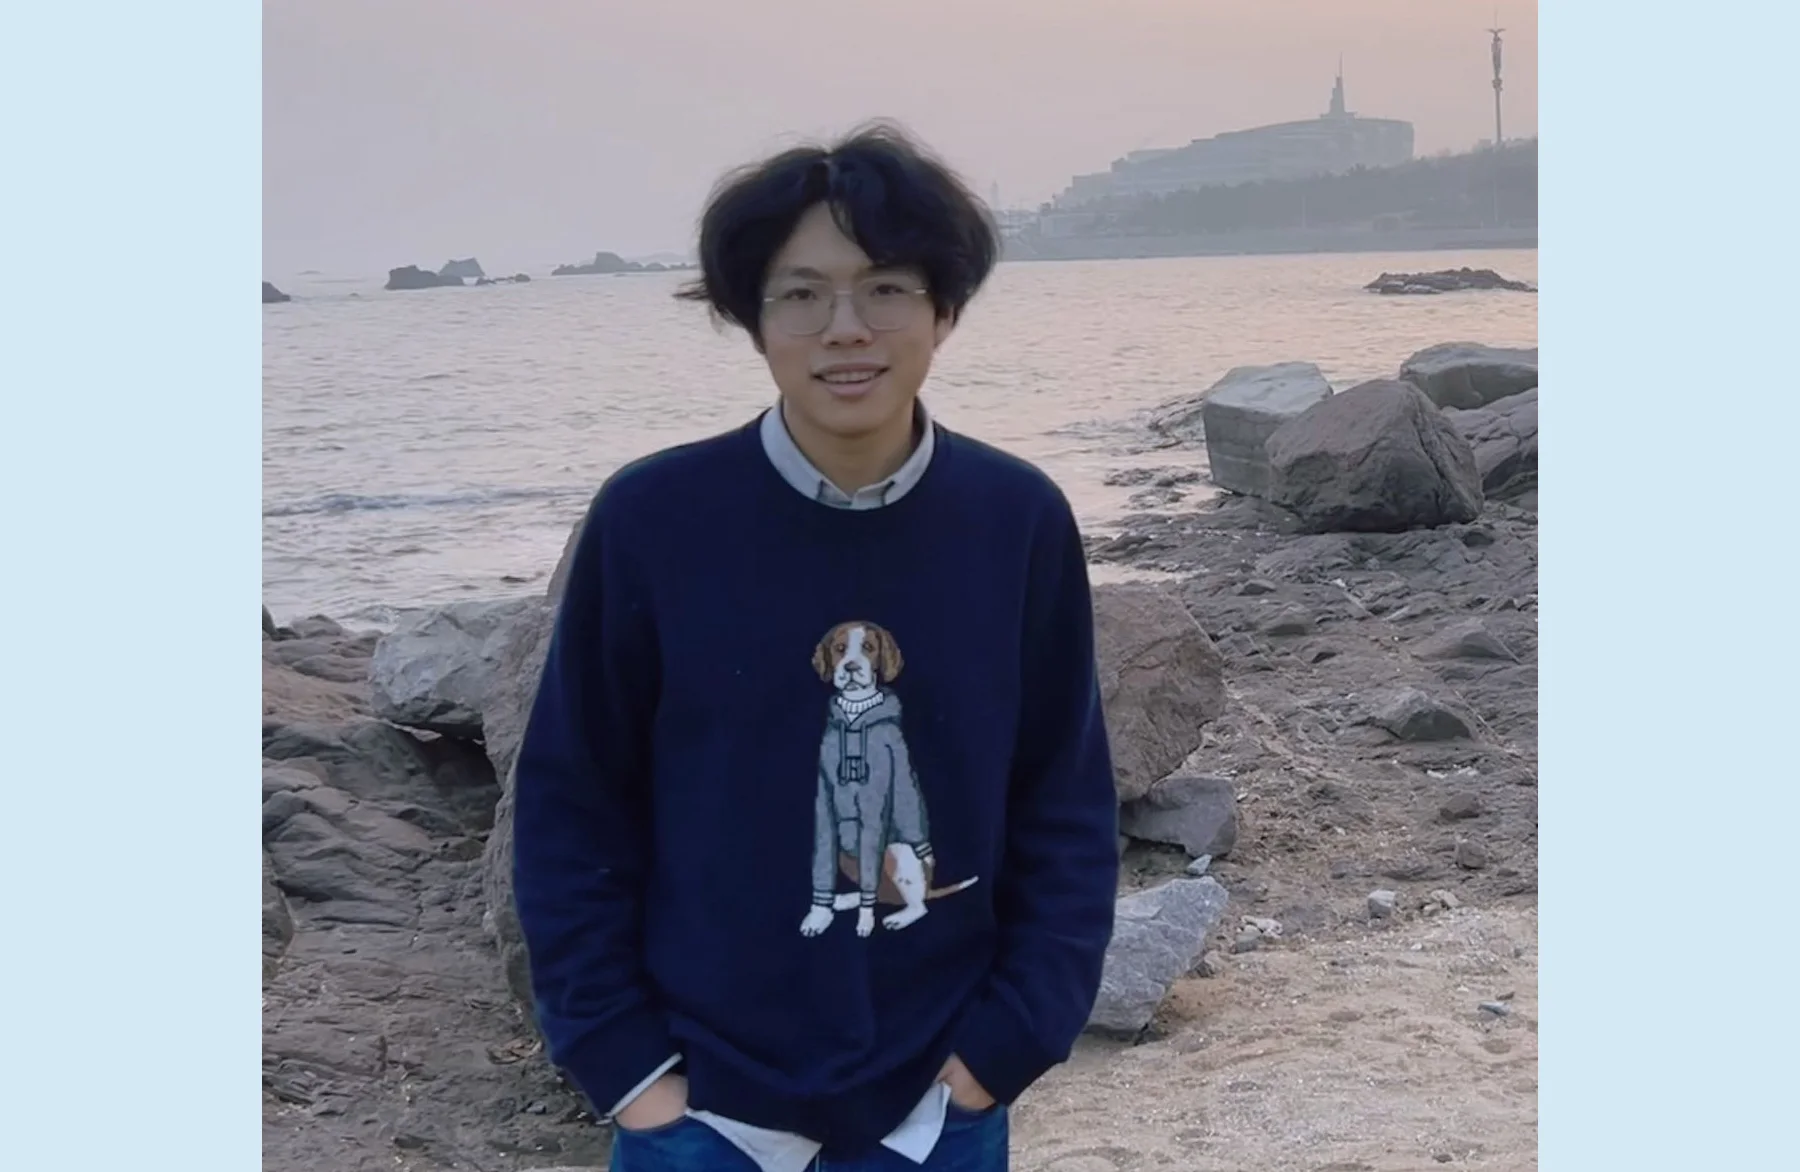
(902,205)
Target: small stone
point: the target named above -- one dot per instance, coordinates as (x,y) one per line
(1263,926)
(1506,996)
(1211,965)
(1256,586)
(1291,621)
(1382,903)
(1447,899)
(1497,1008)
(1249,940)
(1461,806)
(1200,866)
(537,1108)
(1471,855)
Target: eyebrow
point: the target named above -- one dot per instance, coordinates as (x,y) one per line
(807,273)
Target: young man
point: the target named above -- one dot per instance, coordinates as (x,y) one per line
(815,821)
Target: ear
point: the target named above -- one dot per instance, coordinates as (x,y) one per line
(821,660)
(891,663)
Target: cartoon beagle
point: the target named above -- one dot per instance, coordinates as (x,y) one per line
(870,821)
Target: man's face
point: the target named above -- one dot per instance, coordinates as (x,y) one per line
(848,380)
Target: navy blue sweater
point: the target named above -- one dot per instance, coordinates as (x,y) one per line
(817,797)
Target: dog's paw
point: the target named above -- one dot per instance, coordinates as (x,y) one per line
(865,921)
(816,921)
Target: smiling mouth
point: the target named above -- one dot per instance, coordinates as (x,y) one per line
(850,379)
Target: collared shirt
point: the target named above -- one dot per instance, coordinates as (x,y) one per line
(808,481)
(917,1134)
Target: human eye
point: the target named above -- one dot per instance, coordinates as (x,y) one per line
(799,294)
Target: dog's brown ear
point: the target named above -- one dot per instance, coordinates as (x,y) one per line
(821,660)
(890,660)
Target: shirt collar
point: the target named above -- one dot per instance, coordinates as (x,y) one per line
(807,480)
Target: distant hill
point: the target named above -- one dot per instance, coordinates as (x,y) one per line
(1482,189)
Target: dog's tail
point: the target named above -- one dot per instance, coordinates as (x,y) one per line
(952,889)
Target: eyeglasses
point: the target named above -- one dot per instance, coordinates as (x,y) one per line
(805,308)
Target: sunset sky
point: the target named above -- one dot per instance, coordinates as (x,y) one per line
(410,131)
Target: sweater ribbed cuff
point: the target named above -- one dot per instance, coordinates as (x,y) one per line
(611,1061)
(998,1048)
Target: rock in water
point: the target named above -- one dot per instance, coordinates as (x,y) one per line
(1469,375)
(272,295)
(434,671)
(467,269)
(1161,679)
(1158,936)
(1194,812)
(414,277)
(1376,458)
(1242,410)
(1504,438)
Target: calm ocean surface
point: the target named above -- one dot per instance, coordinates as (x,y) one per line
(429,446)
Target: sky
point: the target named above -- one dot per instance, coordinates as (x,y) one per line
(532,132)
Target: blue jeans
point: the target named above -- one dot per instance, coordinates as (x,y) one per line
(971,1142)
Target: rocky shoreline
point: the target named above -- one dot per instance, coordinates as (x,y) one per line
(1322,736)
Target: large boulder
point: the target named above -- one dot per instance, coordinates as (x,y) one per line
(1158,936)
(434,671)
(1469,375)
(515,682)
(1161,679)
(1195,812)
(1504,438)
(1377,458)
(1242,410)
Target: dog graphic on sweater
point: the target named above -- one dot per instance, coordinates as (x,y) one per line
(870,825)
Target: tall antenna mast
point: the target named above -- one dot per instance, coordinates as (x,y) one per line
(1495,32)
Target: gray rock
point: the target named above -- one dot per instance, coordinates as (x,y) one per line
(435,669)
(1200,866)
(1292,620)
(1158,936)
(1242,410)
(1211,965)
(277,921)
(1458,807)
(270,630)
(1376,458)
(1504,437)
(1161,680)
(1412,715)
(1497,1008)
(1464,639)
(1471,855)
(1468,374)
(1195,812)
(1382,904)
(1247,940)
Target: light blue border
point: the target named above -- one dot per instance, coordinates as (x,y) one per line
(130,444)
(1669,444)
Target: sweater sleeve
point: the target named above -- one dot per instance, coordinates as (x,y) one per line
(1059,874)
(581,823)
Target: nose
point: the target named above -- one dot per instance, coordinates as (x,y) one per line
(846,327)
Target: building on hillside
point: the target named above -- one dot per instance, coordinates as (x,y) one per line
(1333,142)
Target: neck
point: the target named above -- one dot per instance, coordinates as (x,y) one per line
(856,462)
